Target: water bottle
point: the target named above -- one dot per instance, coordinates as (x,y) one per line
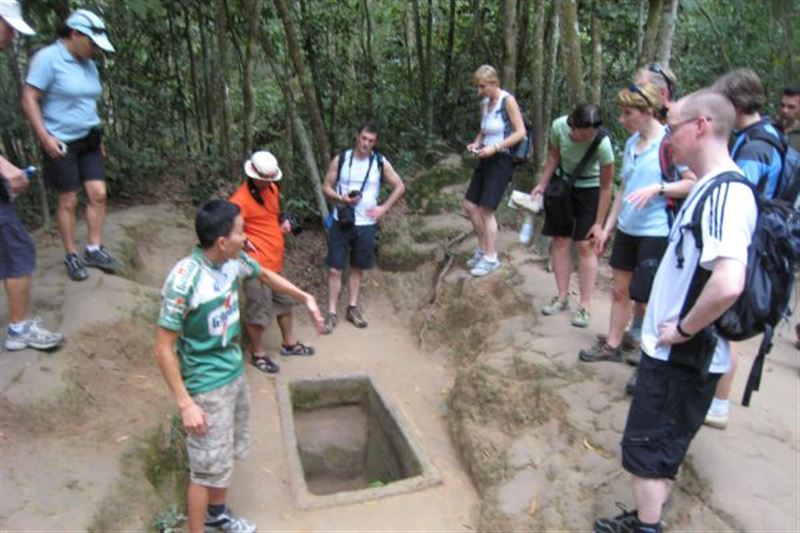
(28,172)
(526,232)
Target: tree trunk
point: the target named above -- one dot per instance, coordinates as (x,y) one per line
(571,52)
(668,20)
(197,104)
(651,32)
(444,99)
(298,128)
(366,48)
(597,56)
(248,107)
(552,61)
(208,99)
(538,85)
(524,16)
(180,98)
(508,20)
(422,68)
(306,84)
(222,87)
(640,28)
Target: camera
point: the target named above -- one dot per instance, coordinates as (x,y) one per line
(353,194)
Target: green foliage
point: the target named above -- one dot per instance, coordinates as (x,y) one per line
(169,521)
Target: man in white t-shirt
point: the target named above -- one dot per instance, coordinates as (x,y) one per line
(682,360)
(353,184)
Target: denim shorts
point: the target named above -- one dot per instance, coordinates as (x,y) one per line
(356,243)
(17,251)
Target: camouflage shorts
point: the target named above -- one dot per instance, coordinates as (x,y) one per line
(211,456)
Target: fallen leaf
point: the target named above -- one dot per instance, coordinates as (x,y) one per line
(532,508)
(123,438)
(605,454)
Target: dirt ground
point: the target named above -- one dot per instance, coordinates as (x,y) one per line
(524,436)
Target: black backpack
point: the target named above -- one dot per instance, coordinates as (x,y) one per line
(788,188)
(772,258)
(669,174)
(521,152)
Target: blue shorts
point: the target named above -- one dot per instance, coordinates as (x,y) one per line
(17,251)
(357,243)
(668,409)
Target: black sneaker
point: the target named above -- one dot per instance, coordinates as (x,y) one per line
(630,386)
(601,351)
(101,259)
(354,316)
(627,522)
(75,269)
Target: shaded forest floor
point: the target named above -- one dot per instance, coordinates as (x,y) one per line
(524,436)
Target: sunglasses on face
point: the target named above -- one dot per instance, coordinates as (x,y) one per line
(656,68)
(638,90)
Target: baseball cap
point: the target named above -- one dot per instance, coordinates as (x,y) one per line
(92,26)
(11,13)
(263,163)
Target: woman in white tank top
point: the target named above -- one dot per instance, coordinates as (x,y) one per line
(499,131)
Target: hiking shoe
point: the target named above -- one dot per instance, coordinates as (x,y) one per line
(353,316)
(601,351)
(581,318)
(630,386)
(627,522)
(473,261)
(484,268)
(330,323)
(228,522)
(632,339)
(717,418)
(75,268)
(33,336)
(555,306)
(633,357)
(101,259)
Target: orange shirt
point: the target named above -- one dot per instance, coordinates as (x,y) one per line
(261,225)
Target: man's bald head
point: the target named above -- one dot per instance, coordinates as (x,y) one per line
(707,103)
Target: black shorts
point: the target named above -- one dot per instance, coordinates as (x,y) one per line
(584,214)
(83,162)
(629,251)
(490,180)
(357,243)
(17,251)
(668,408)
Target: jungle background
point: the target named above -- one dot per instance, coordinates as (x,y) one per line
(195,86)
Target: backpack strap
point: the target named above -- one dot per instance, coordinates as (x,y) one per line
(342,155)
(759,133)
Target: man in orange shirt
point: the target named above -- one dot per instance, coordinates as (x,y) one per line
(264,226)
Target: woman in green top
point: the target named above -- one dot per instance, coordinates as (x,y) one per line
(570,139)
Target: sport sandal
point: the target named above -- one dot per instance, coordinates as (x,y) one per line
(264,364)
(297,348)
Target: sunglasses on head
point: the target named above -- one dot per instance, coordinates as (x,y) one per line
(656,68)
(97,30)
(638,90)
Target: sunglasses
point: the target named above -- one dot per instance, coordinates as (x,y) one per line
(656,68)
(672,128)
(638,90)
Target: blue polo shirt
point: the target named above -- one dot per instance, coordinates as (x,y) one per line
(759,160)
(71,88)
(638,171)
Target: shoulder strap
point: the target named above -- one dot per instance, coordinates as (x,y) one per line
(342,155)
(666,162)
(581,166)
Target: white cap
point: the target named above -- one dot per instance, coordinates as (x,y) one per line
(11,13)
(261,163)
(92,26)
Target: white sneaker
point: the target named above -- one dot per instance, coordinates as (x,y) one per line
(484,267)
(228,522)
(34,336)
(473,261)
(717,418)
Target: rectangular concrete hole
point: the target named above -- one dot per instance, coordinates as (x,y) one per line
(347,439)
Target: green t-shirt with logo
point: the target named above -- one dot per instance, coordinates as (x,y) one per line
(572,153)
(200,300)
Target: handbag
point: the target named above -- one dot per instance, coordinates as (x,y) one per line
(642,280)
(558,194)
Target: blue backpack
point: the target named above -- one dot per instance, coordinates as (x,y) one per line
(772,258)
(788,188)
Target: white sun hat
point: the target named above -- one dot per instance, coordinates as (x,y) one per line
(263,166)
(92,26)
(11,13)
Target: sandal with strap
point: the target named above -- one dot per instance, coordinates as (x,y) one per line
(297,348)
(264,364)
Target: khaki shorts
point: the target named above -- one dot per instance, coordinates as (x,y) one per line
(211,456)
(262,303)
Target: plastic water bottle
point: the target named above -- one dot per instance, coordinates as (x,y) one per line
(28,172)
(526,232)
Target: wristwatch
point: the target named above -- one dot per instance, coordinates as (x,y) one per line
(682,333)
(661,189)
